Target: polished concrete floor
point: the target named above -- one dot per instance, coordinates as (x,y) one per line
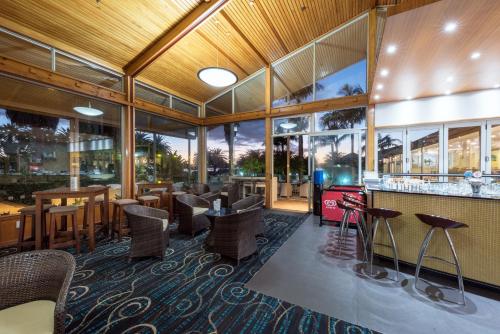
(292,204)
(308,271)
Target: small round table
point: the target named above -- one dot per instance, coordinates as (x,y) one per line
(212,215)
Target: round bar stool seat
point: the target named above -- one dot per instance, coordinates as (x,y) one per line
(149,200)
(30,211)
(62,239)
(118,224)
(443,223)
(385,214)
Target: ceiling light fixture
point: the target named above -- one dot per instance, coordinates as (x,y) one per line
(384,72)
(88,111)
(391,49)
(251,2)
(409,98)
(449,79)
(448,92)
(288,126)
(217,76)
(377,97)
(475,55)
(450,27)
(380,87)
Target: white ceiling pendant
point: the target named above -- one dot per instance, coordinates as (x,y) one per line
(288,126)
(217,76)
(88,111)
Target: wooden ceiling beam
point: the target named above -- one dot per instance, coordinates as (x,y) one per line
(408,5)
(193,20)
(244,37)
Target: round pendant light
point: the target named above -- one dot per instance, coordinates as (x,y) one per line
(288,126)
(88,111)
(217,76)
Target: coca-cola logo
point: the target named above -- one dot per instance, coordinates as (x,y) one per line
(330,203)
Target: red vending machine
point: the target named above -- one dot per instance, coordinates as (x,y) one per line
(329,197)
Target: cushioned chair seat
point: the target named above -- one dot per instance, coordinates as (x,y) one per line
(148,198)
(32,208)
(224,193)
(198,211)
(63,209)
(125,201)
(97,199)
(33,317)
(165,224)
(177,193)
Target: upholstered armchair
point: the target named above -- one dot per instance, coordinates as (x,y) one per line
(234,234)
(33,291)
(229,194)
(250,203)
(199,189)
(191,218)
(148,230)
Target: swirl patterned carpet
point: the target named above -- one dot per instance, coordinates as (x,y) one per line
(191,291)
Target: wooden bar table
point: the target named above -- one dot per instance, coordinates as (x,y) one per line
(64,193)
(164,185)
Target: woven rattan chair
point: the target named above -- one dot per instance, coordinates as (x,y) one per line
(191,218)
(148,230)
(210,197)
(234,235)
(33,290)
(250,203)
(199,188)
(230,193)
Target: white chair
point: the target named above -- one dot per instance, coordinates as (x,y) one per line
(286,190)
(304,190)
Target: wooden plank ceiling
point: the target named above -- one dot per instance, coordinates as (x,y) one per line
(429,61)
(244,36)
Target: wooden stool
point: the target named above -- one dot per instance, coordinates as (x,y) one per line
(149,200)
(99,201)
(30,211)
(62,239)
(118,224)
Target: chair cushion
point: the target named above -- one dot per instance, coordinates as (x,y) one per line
(198,211)
(33,317)
(148,198)
(32,208)
(157,190)
(63,209)
(165,224)
(125,201)
(224,193)
(176,193)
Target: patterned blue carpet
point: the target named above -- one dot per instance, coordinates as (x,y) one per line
(191,291)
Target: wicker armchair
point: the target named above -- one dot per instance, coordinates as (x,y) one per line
(210,197)
(234,235)
(199,188)
(148,230)
(249,203)
(230,193)
(40,278)
(191,218)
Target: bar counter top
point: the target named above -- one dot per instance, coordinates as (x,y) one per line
(482,195)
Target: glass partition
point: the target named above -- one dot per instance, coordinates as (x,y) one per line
(249,148)
(165,149)
(354,118)
(390,152)
(250,95)
(218,151)
(184,106)
(149,94)
(495,149)
(424,151)
(464,149)
(220,106)
(291,125)
(25,51)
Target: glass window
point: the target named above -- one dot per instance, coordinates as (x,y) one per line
(184,106)
(290,159)
(464,149)
(341,62)
(293,79)
(291,125)
(88,72)
(249,148)
(220,106)
(424,151)
(151,95)
(390,152)
(24,51)
(495,149)
(218,144)
(250,95)
(165,149)
(46,141)
(354,118)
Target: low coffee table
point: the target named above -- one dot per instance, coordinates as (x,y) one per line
(212,215)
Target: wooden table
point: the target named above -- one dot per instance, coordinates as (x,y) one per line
(167,185)
(64,193)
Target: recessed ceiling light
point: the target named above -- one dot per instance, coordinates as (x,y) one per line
(449,79)
(377,97)
(448,92)
(475,55)
(384,72)
(450,27)
(409,98)
(380,87)
(497,85)
(391,49)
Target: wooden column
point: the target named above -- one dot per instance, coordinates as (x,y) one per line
(128,135)
(202,155)
(268,139)
(370,113)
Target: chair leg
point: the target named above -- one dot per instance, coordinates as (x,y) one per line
(421,254)
(363,240)
(85,217)
(394,249)
(374,227)
(53,228)
(20,238)
(457,266)
(120,231)
(113,222)
(76,234)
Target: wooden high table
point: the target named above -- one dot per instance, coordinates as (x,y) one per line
(64,193)
(141,187)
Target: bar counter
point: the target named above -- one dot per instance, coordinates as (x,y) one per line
(478,247)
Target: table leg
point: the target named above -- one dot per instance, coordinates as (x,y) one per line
(91,222)
(38,222)
(105,219)
(64,220)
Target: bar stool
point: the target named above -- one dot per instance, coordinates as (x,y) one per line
(350,211)
(30,211)
(59,239)
(385,214)
(149,200)
(359,211)
(99,201)
(444,224)
(118,224)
